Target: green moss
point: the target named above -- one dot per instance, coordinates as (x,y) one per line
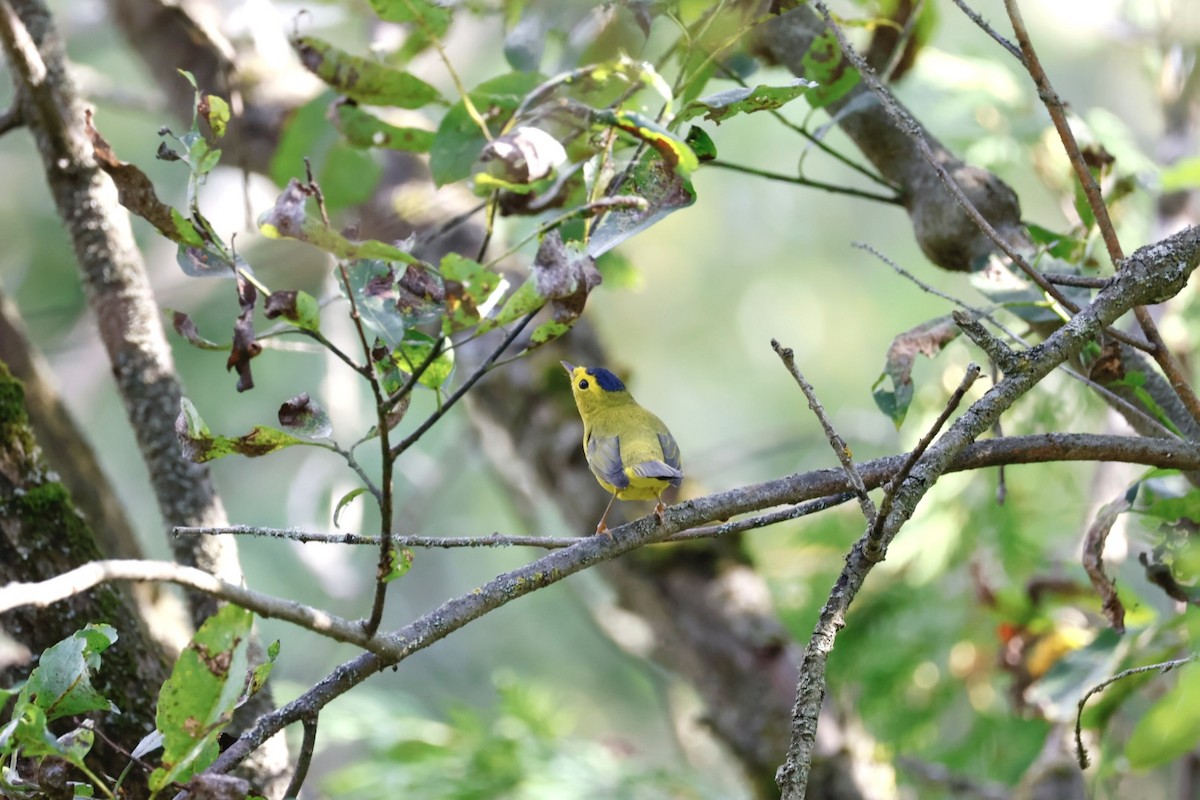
(12,399)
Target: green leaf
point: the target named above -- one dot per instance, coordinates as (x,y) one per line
(348,176)
(262,672)
(362,79)
(216,111)
(1170,727)
(459,141)
(347,498)
(61,684)
(1172,509)
(412,352)
(824,64)
(400,563)
(199,444)
(196,703)
(469,285)
(363,129)
(673,150)
(305,134)
(1060,245)
(1136,381)
(1182,175)
(701,143)
(744,100)
(424,13)
(661,189)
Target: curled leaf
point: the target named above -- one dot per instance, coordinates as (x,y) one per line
(245,346)
(363,79)
(297,307)
(186,328)
(927,338)
(523,155)
(1093,558)
(302,415)
(199,444)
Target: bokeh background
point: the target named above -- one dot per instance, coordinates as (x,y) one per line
(541,681)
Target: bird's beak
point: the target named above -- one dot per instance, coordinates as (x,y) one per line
(568,366)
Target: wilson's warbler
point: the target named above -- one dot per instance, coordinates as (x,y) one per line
(630,451)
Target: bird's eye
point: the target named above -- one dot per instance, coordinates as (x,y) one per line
(583,384)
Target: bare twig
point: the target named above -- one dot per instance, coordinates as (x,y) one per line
(875,547)
(892,199)
(304,759)
(1084,281)
(989,30)
(482,370)
(1162,667)
(835,440)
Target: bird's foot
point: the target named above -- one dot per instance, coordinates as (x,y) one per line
(660,513)
(603,529)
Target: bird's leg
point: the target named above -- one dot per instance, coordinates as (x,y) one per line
(601,527)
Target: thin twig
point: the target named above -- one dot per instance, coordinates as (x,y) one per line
(990,31)
(1062,279)
(466,387)
(307,746)
(1163,667)
(1170,366)
(835,440)
(893,199)
(499,540)
(875,549)
(913,130)
(1111,397)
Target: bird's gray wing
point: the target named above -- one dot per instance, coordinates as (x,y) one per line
(604,457)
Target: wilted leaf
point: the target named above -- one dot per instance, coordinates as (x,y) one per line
(564,275)
(928,338)
(245,346)
(136,192)
(363,129)
(297,307)
(186,328)
(1093,558)
(199,444)
(744,100)
(287,219)
(305,417)
(363,79)
(523,155)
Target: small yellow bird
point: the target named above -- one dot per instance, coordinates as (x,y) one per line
(630,451)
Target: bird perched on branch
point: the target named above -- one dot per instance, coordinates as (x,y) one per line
(630,451)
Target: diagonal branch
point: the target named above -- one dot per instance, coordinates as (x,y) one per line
(1152,274)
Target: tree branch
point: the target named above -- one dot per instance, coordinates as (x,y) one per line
(1152,274)
(118,290)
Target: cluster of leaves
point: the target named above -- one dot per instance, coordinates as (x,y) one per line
(574,150)
(210,679)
